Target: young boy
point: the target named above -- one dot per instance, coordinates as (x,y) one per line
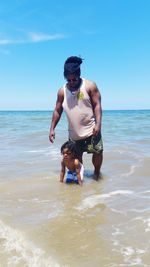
(71,162)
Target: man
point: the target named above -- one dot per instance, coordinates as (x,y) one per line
(81,100)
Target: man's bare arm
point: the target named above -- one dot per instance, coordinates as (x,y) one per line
(96,104)
(56,114)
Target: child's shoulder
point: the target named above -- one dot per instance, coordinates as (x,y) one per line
(77,162)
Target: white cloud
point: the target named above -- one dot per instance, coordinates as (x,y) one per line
(10,41)
(33,38)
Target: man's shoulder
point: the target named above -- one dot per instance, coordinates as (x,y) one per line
(60,95)
(61,91)
(90,85)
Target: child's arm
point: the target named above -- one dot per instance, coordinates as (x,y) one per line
(62,172)
(77,168)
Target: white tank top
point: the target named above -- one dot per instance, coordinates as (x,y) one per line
(78,108)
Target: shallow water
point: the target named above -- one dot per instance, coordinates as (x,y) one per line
(44,223)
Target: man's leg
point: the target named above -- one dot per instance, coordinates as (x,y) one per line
(97,160)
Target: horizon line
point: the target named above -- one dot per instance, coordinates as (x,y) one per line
(46,110)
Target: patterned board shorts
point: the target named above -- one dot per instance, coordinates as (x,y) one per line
(92,144)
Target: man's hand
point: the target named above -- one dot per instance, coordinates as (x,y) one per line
(96,130)
(52,136)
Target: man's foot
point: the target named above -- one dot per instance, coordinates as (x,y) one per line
(97,176)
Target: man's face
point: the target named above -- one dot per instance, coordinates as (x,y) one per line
(73,81)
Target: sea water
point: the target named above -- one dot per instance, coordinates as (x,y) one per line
(44,223)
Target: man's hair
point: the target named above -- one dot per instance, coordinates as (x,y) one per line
(72,66)
(71,146)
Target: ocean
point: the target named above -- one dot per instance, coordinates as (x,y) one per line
(44,223)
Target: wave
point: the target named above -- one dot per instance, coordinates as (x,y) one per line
(19,250)
(93,200)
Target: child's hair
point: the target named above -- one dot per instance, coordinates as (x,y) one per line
(71,146)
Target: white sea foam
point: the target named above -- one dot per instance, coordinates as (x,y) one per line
(37,151)
(132,255)
(52,152)
(13,241)
(54,214)
(144,194)
(117,232)
(146,222)
(34,200)
(141,210)
(117,211)
(94,200)
(131,171)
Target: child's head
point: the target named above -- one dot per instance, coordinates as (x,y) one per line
(70,146)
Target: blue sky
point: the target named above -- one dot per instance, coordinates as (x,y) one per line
(36,37)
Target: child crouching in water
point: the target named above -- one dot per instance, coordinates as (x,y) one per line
(71,162)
